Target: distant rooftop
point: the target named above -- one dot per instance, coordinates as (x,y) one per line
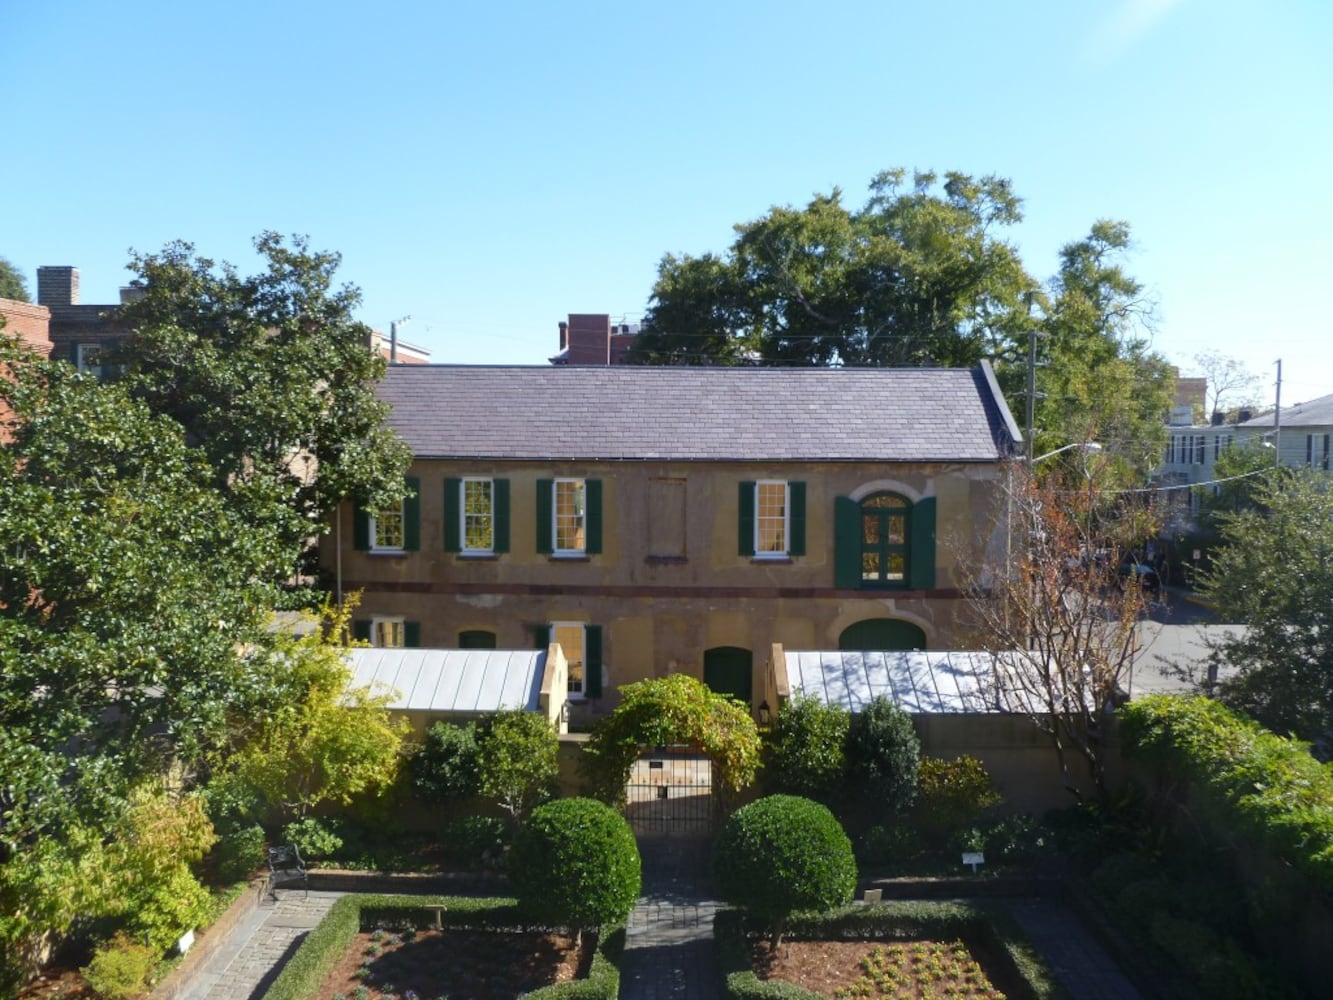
(1315,413)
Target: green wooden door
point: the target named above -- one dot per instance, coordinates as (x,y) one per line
(730,670)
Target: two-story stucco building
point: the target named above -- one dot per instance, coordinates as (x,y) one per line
(654,520)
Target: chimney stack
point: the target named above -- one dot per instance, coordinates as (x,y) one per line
(58,286)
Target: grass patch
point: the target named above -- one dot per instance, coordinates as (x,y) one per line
(325,945)
(1011,961)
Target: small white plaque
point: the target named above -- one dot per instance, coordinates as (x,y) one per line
(974,858)
(874,895)
(186,940)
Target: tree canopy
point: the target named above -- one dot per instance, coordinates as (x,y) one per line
(12,283)
(1274,573)
(271,378)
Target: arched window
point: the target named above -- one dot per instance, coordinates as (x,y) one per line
(881,633)
(884,541)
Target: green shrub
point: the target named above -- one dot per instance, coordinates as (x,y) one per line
(806,751)
(447,767)
(1144,899)
(952,793)
(240,852)
(883,758)
(518,752)
(476,841)
(316,837)
(120,969)
(575,863)
(781,854)
(887,845)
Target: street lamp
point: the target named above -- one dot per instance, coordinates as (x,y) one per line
(1086,446)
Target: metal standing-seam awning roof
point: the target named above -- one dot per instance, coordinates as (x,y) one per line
(465,681)
(919,682)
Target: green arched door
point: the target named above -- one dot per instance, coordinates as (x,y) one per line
(882,633)
(730,670)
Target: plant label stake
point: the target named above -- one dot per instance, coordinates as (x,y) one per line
(974,858)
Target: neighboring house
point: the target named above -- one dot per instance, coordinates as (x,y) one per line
(31,324)
(592,339)
(655,520)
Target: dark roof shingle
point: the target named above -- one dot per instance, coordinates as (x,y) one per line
(699,414)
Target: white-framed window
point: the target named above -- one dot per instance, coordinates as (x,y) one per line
(477,515)
(571,637)
(569,514)
(388,631)
(772,518)
(387,531)
(88,358)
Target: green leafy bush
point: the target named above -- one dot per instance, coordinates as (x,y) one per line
(952,793)
(806,751)
(781,854)
(447,767)
(240,851)
(883,758)
(887,845)
(316,837)
(518,752)
(120,969)
(575,862)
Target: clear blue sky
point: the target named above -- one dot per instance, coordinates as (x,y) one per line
(488,168)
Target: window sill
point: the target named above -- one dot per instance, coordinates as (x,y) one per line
(783,560)
(386,552)
(569,557)
(478,556)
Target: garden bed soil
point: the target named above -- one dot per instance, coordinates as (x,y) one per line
(458,963)
(824,967)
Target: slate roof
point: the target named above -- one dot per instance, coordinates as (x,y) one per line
(700,414)
(1315,413)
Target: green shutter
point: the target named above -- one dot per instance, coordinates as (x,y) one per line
(542,636)
(592,661)
(592,537)
(921,559)
(412,635)
(412,515)
(797,492)
(500,494)
(360,529)
(545,487)
(453,489)
(361,629)
(745,522)
(846,543)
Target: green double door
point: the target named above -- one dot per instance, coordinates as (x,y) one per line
(730,670)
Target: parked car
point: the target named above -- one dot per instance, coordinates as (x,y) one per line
(1143,573)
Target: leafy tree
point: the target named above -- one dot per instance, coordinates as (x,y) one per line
(807,750)
(1059,625)
(320,739)
(12,283)
(448,765)
(517,753)
(575,863)
(1274,573)
(916,276)
(1097,374)
(883,755)
(1242,468)
(784,853)
(1231,384)
(272,379)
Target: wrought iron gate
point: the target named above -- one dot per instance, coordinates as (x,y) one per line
(670,791)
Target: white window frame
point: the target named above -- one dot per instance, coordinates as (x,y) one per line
(373,528)
(463,514)
(580,515)
(760,519)
(575,691)
(388,627)
(86,358)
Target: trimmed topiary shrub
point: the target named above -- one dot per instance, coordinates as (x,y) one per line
(575,863)
(781,854)
(883,758)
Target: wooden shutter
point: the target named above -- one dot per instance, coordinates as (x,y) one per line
(412,515)
(745,519)
(592,525)
(542,636)
(592,661)
(360,529)
(846,543)
(796,497)
(453,539)
(500,498)
(412,635)
(921,557)
(545,488)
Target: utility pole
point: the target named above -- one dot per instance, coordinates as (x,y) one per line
(1032,391)
(1277,419)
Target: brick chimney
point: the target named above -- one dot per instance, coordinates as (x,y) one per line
(589,339)
(58,286)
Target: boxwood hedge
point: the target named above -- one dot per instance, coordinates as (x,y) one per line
(322,948)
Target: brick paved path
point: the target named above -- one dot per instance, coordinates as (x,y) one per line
(669,942)
(1074,955)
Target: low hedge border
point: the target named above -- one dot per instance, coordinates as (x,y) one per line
(977,924)
(324,945)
